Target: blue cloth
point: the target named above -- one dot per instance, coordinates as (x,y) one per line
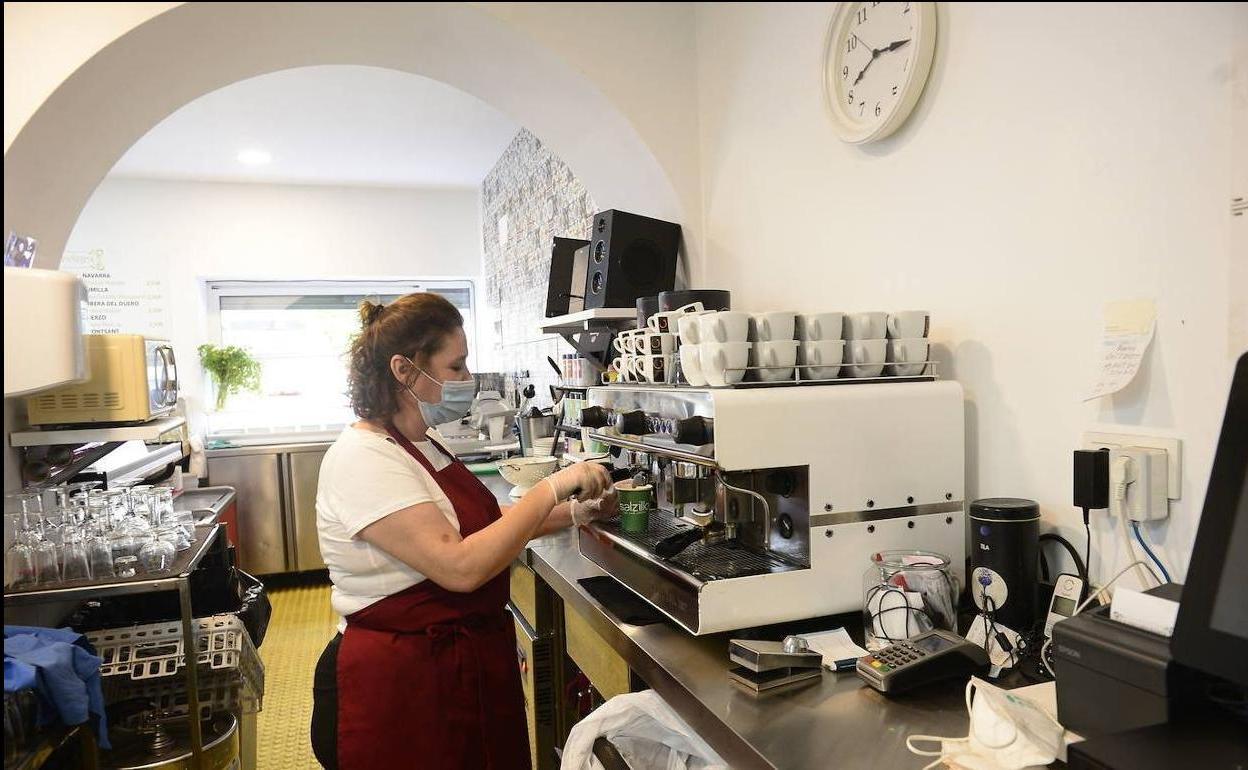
(59,665)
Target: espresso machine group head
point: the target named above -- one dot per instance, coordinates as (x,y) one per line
(771,501)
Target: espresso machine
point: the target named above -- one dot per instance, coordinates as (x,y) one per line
(770,501)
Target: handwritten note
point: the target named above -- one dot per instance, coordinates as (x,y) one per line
(1129,328)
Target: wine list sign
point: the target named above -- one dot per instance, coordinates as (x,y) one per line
(118,302)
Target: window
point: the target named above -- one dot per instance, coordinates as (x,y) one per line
(300,332)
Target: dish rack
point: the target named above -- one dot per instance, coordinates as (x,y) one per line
(147,661)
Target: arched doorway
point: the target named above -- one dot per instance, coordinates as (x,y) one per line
(89,122)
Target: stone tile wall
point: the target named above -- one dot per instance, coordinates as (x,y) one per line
(528,198)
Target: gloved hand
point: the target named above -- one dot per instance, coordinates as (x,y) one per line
(588,481)
(585,511)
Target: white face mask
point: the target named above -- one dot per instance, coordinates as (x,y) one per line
(1007,733)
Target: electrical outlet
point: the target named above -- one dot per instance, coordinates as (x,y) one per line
(1173,448)
(1138,484)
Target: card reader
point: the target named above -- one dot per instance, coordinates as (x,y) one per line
(928,657)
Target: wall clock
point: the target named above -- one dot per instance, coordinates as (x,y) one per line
(876,64)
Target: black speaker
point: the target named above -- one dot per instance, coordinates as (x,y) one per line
(631,256)
(563,276)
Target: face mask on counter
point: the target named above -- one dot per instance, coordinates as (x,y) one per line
(1007,733)
(456,399)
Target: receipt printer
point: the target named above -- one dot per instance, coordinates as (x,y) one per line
(1113,677)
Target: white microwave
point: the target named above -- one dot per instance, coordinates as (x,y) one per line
(132,379)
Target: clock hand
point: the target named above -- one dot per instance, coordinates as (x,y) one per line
(875,53)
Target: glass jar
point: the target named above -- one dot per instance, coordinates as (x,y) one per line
(907,593)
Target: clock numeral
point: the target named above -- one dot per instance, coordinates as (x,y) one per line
(877,109)
(894,90)
(850,98)
(851,44)
(862,108)
(844,72)
(862,15)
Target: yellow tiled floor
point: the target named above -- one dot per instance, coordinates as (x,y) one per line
(301,625)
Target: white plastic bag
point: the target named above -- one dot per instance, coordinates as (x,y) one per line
(646,732)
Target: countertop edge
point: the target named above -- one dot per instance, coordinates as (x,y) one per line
(732,748)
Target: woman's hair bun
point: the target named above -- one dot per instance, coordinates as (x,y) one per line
(370,311)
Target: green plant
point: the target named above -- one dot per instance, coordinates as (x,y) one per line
(232,368)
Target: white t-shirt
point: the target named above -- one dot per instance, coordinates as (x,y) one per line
(366,476)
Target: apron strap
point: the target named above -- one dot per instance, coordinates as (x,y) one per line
(404,442)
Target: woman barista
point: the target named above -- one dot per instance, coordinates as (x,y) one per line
(423,670)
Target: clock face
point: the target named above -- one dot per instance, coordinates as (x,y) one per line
(877,63)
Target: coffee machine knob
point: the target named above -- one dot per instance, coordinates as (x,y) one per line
(632,423)
(595,417)
(695,430)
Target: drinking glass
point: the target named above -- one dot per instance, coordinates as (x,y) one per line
(28,506)
(175,535)
(75,565)
(47,565)
(99,514)
(126,566)
(142,504)
(157,555)
(19,557)
(162,503)
(100,556)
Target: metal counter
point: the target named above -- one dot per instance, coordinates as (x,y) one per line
(837,721)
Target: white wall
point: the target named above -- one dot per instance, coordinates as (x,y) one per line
(183,232)
(1062,157)
(45,42)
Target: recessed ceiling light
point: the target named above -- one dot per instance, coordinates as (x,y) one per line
(254,157)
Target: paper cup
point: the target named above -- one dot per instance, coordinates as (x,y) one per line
(635,505)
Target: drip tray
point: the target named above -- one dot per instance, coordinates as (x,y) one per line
(706,562)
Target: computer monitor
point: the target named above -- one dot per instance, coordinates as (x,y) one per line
(1211,634)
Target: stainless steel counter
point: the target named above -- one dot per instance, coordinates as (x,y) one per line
(837,721)
(269,449)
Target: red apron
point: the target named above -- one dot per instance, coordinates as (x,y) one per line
(427,678)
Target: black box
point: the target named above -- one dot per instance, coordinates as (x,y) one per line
(565,272)
(1113,677)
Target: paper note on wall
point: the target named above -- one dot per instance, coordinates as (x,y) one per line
(1129,328)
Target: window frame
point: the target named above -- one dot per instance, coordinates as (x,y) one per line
(214,288)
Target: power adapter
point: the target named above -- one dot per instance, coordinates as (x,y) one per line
(1091,490)
(1091,479)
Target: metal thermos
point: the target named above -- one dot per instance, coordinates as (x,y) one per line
(532,428)
(1005,553)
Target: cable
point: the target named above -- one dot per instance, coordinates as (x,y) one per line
(1135,525)
(1087,548)
(1103,588)
(1080,568)
(1140,565)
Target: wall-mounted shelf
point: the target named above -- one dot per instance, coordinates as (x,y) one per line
(148,431)
(590,332)
(589,320)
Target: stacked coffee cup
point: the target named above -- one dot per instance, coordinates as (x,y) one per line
(648,354)
(897,340)
(714,347)
(822,348)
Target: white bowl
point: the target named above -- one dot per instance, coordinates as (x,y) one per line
(524,472)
